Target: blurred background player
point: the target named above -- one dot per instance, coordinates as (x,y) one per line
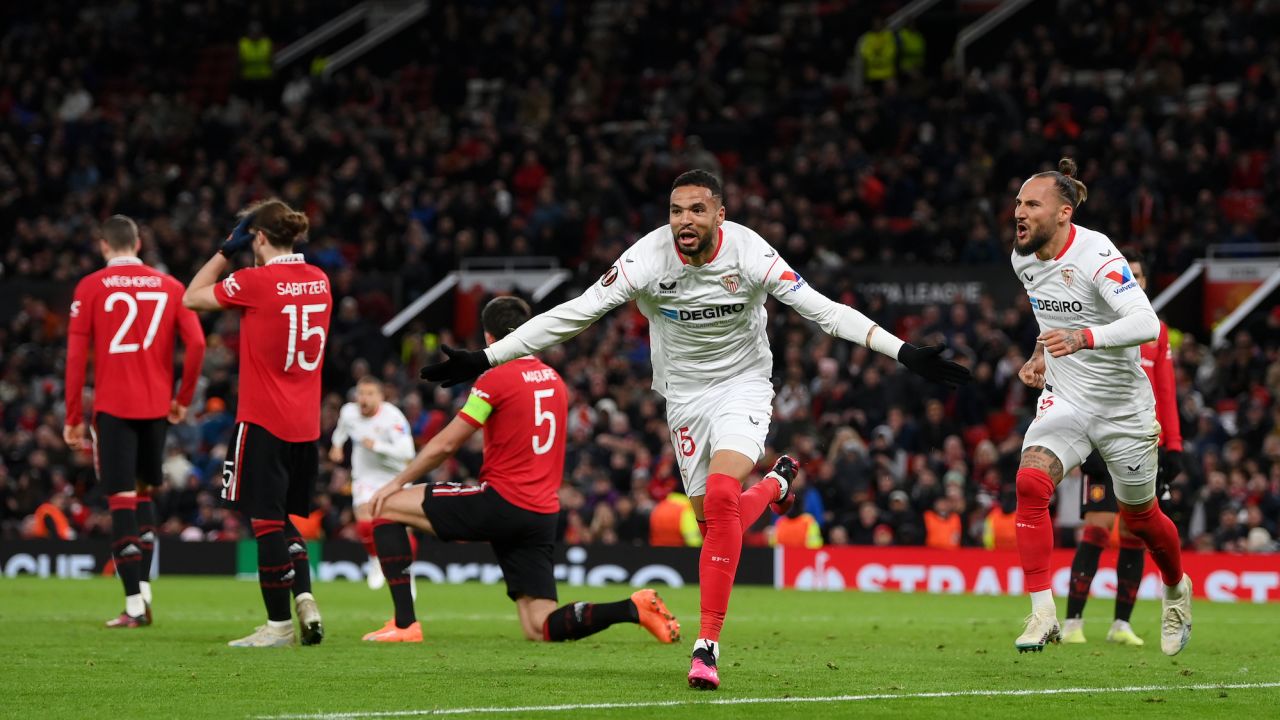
(381,448)
(522,407)
(702,282)
(129,315)
(1098,506)
(285,305)
(1092,316)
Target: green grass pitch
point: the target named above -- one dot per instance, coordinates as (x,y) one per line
(799,654)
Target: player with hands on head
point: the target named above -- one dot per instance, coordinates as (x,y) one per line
(1093,316)
(702,281)
(284,305)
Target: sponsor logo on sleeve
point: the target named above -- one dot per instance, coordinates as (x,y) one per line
(609,276)
(1122,277)
(75,308)
(790,276)
(230,285)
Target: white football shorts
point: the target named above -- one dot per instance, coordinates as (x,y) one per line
(1127,443)
(732,415)
(362,489)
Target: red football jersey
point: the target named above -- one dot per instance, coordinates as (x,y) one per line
(1157,361)
(523,407)
(284,326)
(129,314)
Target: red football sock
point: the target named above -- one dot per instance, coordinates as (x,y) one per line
(1158,532)
(756,498)
(364,529)
(1034,527)
(718,563)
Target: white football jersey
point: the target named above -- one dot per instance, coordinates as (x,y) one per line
(707,323)
(1089,285)
(392,442)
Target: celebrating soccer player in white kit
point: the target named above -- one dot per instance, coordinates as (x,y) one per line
(382,446)
(702,284)
(1092,316)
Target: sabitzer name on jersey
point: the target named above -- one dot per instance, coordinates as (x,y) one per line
(711,313)
(1061,306)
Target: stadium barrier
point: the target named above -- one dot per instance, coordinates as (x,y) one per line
(1221,577)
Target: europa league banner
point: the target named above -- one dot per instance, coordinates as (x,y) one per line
(913,287)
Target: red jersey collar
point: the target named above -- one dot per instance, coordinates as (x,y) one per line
(1071,237)
(719,243)
(290,258)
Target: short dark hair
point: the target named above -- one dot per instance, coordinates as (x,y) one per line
(120,232)
(502,315)
(700,178)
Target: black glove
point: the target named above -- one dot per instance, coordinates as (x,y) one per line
(239,238)
(1170,466)
(461,366)
(927,363)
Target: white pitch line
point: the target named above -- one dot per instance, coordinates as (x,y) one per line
(770,701)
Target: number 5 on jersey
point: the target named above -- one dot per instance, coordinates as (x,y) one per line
(539,416)
(307,332)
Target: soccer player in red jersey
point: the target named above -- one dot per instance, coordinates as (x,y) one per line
(285,305)
(129,315)
(523,408)
(1099,503)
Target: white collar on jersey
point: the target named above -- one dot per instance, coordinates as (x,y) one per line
(290,258)
(124,260)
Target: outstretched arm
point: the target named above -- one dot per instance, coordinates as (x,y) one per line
(846,323)
(556,325)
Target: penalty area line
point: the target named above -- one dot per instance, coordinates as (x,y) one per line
(768,701)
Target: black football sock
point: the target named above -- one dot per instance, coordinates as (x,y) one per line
(578,620)
(275,569)
(395,555)
(125,547)
(301,561)
(146,514)
(1083,568)
(1128,578)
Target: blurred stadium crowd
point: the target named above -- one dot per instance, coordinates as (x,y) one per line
(555,129)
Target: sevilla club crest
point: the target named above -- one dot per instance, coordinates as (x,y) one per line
(730,283)
(1067,276)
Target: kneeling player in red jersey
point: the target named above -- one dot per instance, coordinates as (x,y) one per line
(522,407)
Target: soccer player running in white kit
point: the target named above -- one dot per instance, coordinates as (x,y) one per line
(1093,317)
(382,446)
(702,282)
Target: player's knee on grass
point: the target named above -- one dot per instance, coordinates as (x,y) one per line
(533,614)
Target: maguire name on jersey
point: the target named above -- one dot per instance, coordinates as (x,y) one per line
(1088,285)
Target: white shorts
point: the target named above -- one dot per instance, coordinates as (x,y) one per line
(362,490)
(732,415)
(1127,443)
